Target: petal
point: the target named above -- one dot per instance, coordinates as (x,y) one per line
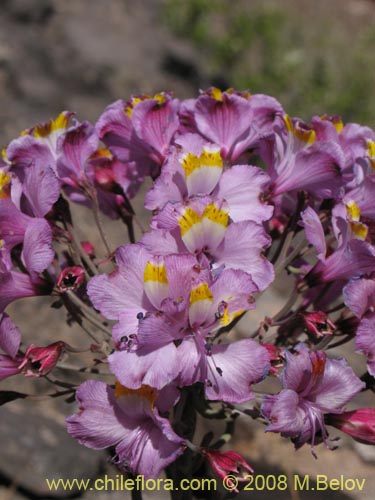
(27,151)
(13,223)
(156,330)
(10,336)
(192,362)
(314,231)
(337,387)
(155,368)
(359,296)
(77,145)
(298,371)
(8,366)
(156,123)
(242,248)
(284,413)
(232,368)
(365,341)
(241,187)
(122,289)
(149,443)
(224,122)
(37,252)
(96,425)
(41,188)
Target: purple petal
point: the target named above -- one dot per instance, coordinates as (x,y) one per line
(41,188)
(96,425)
(13,223)
(224,122)
(315,169)
(156,123)
(365,341)
(156,330)
(8,366)
(149,443)
(155,368)
(232,368)
(337,387)
(124,288)
(27,151)
(37,252)
(314,231)
(192,362)
(78,144)
(242,249)
(241,187)
(10,336)
(359,296)
(356,258)
(284,413)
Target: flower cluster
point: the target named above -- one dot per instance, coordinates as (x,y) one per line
(241,192)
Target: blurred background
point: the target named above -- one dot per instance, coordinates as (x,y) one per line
(315,57)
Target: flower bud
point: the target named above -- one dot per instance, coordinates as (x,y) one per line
(39,361)
(88,248)
(228,463)
(276,355)
(318,323)
(70,278)
(360,424)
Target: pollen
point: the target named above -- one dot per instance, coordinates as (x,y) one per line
(201,292)
(156,273)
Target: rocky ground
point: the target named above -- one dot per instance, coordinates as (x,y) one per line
(81,55)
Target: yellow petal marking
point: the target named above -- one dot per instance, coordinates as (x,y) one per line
(306,136)
(188,219)
(216,94)
(359,229)
(214,214)
(145,391)
(45,129)
(156,273)
(190,162)
(228,318)
(371,152)
(134,101)
(201,292)
(211,158)
(335,120)
(353,210)
(4,185)
(101,153)
(338,124)
(160,98)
